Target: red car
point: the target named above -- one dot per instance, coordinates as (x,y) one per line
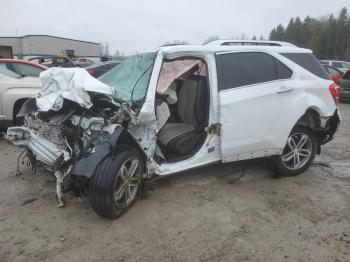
(22,67)
(333,72)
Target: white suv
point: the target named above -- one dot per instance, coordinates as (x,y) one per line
(174,109)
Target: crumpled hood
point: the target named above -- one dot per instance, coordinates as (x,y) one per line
(68,83)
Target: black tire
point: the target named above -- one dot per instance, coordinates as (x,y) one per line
(284,168)
(109,176)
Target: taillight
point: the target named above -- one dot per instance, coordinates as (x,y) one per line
(334,89)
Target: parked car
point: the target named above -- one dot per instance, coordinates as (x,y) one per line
(22,67)
(14,91)
(174,109)
(344,90)
(334,73)
(82,62)
(340,65)
(99,69)
(54,61)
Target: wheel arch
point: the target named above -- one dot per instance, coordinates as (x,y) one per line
(86,166)
(126,138)
(310,119)
(317,124)
(16,107)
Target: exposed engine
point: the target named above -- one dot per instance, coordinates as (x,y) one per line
(74,123)
(57,140)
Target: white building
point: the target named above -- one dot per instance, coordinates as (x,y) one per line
(28,46)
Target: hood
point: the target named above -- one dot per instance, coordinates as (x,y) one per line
(68,83)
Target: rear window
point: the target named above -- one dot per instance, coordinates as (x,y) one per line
(308,62)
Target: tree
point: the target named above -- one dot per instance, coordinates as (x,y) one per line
(327,36)
(175,42)
(298,32)
(118,55)
(278,33)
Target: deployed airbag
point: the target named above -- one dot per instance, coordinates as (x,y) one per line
(68,83)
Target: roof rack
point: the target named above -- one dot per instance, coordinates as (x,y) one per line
(229,42)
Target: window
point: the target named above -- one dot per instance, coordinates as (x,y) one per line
(332,71)
(337,64)
(5,71)
(328,69)
(242,69)
(283,71)
(308,62)
(26,70)
(346,66)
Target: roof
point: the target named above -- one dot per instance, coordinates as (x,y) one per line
(58,37)
(22,62)
(249,42)
(227,48)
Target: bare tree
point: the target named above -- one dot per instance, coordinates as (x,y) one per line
(210,39)
(175,42)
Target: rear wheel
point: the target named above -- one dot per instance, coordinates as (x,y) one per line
(116,183)
(298,154)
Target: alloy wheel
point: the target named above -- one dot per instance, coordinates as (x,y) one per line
(298,151)
(127,183)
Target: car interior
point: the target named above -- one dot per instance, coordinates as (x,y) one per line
(182,108)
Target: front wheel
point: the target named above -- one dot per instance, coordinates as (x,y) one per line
(114,187)
(298,154)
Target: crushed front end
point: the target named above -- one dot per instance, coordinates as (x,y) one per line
(70,127)
(57,141)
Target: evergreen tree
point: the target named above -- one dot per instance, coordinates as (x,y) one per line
(278,33)
(328,37)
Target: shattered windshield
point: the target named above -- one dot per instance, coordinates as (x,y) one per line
(130,78)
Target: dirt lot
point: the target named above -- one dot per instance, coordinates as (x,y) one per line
(196,216)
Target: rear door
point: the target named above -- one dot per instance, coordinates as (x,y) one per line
(255,89)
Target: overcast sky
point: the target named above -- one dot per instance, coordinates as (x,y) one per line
(134,25)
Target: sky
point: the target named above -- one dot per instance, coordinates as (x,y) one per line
(135,25)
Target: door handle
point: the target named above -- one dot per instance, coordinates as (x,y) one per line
(285,89)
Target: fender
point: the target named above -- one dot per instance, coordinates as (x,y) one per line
(11,95)
(86,166)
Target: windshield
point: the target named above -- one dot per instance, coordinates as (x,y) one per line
(131,78)
(346,66)
(7,72)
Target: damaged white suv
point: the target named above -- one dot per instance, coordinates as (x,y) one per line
(174,109)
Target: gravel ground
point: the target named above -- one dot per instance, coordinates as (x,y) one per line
(195,216)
